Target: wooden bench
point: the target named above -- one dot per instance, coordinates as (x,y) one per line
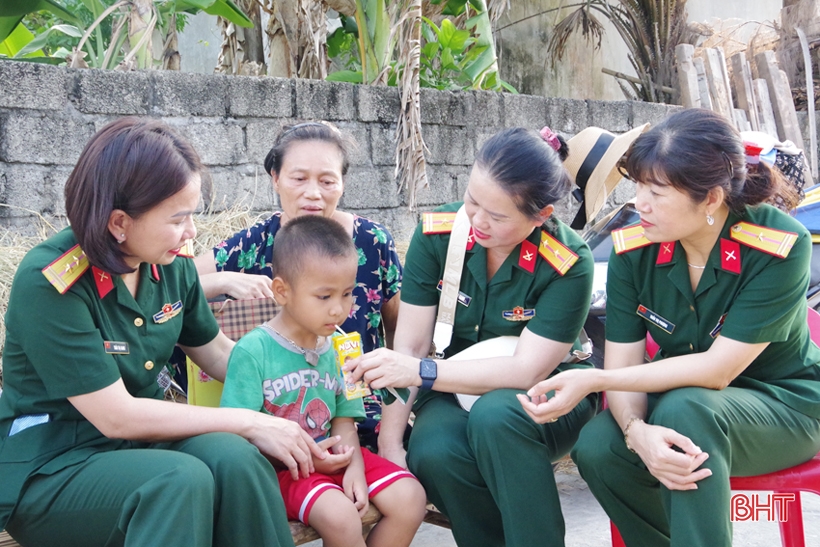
(305,534)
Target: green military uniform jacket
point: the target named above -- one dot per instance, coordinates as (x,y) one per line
(526,291)
(63,345)
(745,293)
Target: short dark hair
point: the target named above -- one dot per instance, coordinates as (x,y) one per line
(308,131)
(308,238)
(696,150)
(527,168)
(130,164)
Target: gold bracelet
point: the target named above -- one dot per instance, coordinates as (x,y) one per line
(631,421)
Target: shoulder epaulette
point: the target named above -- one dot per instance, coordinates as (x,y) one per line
(66,270)
(629,238)
(768,240)
(437,223)
(187,250)
(556,253)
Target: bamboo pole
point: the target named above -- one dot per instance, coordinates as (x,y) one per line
(634,80)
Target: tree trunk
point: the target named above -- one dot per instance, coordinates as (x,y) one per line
(242,48)
(297,32)
(139,20)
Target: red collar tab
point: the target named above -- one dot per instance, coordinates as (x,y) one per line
(730,255)
(665,253)
(470,240)
(526,260)
(155,272)
(103,280)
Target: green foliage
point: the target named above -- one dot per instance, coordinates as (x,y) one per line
(47,31)
(450,59)
(343,46)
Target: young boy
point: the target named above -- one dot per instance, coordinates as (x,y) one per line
(287,368)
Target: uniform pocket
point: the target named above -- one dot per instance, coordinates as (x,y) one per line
(38,441)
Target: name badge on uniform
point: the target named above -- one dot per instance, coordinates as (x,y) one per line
(518,314)
(663,324)
(167,312)
(715,331)
(463,299)
(116,348)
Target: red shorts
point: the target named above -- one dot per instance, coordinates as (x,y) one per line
(300,495)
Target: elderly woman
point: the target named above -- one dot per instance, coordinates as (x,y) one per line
(307,165)
(90,454)
(525,274)
(719,280)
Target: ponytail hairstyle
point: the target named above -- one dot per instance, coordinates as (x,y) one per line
(696,150)
(528,166)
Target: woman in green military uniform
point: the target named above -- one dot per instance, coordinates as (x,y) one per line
(90,454)
(719,281)
(525,274)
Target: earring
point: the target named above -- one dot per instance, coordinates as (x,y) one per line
(710,220)
(121,239)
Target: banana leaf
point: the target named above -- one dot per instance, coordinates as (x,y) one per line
(13,11)
(223,8)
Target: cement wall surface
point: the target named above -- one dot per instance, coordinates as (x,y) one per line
(525,29)
(47,114)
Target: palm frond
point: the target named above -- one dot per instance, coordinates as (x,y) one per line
(581,19)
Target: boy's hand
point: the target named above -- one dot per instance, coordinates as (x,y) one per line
(355,487)
(338,458)
(287,442)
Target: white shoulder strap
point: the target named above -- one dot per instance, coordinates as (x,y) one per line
(453,266)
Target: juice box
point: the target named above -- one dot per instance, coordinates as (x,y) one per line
(347,347)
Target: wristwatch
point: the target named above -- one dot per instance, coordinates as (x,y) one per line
(428,370)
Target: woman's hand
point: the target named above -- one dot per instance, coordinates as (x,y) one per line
(242,285)
(355,488)
(336,460)
(394,453)
(287,442)
(384,367)
(569,388)
(676,470)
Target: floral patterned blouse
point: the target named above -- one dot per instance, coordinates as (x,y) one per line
(377,281)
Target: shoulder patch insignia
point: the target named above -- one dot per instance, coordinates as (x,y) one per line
(629,239)
(768,240)
(437,223)
(556,253)
(66,270)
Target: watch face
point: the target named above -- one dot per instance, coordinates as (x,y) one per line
(428,369)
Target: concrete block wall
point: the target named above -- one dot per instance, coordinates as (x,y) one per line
(47,114)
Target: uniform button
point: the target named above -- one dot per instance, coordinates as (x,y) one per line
(692,307)
(691,347)
(138,322)
(476,328)
(149,365)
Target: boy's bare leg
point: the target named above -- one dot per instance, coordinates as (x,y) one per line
(336,519)
(403,506)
